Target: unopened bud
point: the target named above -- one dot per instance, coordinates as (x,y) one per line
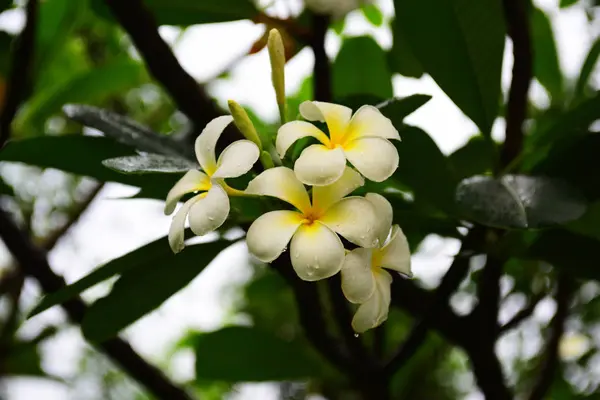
(277,56)
(243,123)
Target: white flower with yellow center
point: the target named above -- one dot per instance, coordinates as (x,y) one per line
(365,280)
(316,250)
(361,139)
(210,207)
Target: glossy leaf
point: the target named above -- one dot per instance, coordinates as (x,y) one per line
(401,58)
(247,354)
(149,163)
(545,63)
(141,290)
(460,43)
(352,78)
(587,68)
(518,201)
(125,130)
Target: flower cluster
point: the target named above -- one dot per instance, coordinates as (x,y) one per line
(321,214)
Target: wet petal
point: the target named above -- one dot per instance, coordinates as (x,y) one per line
(207,141)
(324,196)
(176,231)
(374,157)
(292,131)
(374,311)
(192,181)
(336,116)
(358,282)
(369,121)
(395,254)
(385,215)
(281,182)
(209,213)
(319,166)
(354,219)
(316,252)
(271,232)
(237,159)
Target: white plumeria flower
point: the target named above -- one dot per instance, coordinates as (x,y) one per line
(316,250)
(361,139)
(209,209)
(364,279)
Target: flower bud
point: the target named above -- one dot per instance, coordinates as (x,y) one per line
(243,123)
(277,56)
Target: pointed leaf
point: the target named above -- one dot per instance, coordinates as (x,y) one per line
(518,201)
(402,107)
(545,63)
(587,68)
(477,157)
(401,58)
(149,163)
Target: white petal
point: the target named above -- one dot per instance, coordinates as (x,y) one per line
(374,311)
(319,166)
(395,254)
(316,252)
(354,219)
(358,282)
(207,141)
(369,121)
(336,116)
(281,182)
(237,159)
(324,196)
(209,213)
(176,231)
(192,181)
(374,157)
(294,130)
(270,233)
(385,215)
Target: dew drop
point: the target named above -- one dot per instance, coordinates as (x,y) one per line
(356,335)
(297,255)
(362,236)
(211,218)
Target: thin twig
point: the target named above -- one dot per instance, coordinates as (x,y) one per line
(20,71)
(557,325)
(518,29)
(34,263)
(523,314)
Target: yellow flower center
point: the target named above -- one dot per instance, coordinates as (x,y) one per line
(376,259)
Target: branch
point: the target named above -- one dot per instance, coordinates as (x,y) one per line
(321,70)
(34,263)
(488,294)
(550,364)
(20,70)
(189,96)
(517,21)
(523,314)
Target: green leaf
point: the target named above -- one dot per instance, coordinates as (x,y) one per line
(126,130)
(545,62)
(589,223)
(401,58)
(83,155)
(149,163)
(518,201)
(587,68)
(90,86)
(460,43)
(187,12)
(246,354)
(6,41)
(141,290)
(372,13)
(352,78)
(6,189)
(402,107)
(567,3)
(138,259)
(477,157)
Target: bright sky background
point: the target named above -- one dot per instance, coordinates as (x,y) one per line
(113,227)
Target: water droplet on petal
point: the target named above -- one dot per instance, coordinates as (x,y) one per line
(356,335)
(297,255)
(210,218)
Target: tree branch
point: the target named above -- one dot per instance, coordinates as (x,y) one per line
(321,70)
(20,71)
(517,21)
(550,364)
(34,263)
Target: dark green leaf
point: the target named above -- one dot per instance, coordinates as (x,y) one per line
(352,78)
(6,41)
(125,130)
(141,290)
(545,63)
(567,3)
(589,223)
(587,68)
(401,58)
(402,107)
(5,188)
(460,43)
(83,155)
(22,359)
(186,12)
(372,13)
(246,354)
(149,163)
(477,157)
(139,259)
(518,201)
